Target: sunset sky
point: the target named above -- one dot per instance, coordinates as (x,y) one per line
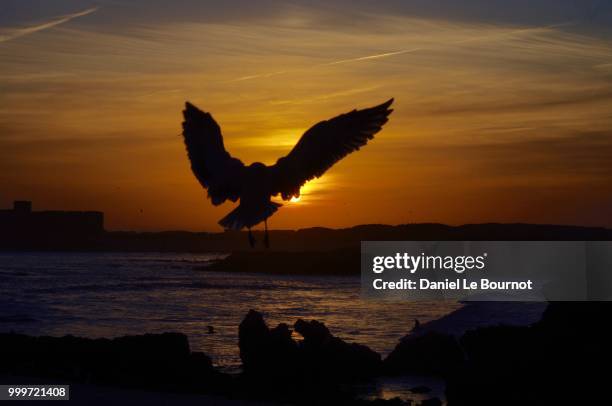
(503,109)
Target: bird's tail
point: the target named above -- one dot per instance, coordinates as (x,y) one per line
(248,216)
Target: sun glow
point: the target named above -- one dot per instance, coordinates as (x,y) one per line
(311,191)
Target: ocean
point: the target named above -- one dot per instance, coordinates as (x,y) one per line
(114,294)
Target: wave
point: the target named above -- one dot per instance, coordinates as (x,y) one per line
(182,285)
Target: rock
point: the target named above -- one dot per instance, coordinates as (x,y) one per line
(556,361)
(500,360)
(334,262)
(320,356)
(430,353)
(266,351)
(160,361)
(314,332)
(382,402)
(253,340)
(328,355)
(431,402)
(420,389)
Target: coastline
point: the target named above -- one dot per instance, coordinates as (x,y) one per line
(303,240)
(269,364)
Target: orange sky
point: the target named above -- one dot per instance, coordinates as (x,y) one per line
(494,121)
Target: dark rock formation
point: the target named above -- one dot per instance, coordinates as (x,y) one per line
(164,363)
(320,356)
(325,354)
(430,353)
(552,362)
(265,351)
(420,389)
(431,402)
(159,361)
(338,262)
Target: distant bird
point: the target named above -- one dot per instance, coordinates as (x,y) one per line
(227,178)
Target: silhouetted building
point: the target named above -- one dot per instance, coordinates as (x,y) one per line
(22,225)
(22,206)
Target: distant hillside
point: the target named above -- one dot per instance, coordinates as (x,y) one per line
(309,239)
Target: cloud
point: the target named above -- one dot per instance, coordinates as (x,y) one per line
(10,34)
(495,114)
(580,156)
(529,103)
(491,35)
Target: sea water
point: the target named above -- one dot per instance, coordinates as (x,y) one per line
(114,294)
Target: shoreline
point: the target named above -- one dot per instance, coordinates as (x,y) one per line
(307,239)
(457,323)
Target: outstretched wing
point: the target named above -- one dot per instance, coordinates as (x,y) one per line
(325,144)
(212,165)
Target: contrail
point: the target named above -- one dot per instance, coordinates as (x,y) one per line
(402,51)
(263,75)
(365,58)
(20,32)
(362,58)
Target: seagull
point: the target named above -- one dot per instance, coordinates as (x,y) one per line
(227,178)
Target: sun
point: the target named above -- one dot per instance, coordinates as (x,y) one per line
(295,199)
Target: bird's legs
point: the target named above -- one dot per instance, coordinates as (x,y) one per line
(251,239)
(266,238)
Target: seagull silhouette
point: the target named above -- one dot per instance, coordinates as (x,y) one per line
(227,178)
